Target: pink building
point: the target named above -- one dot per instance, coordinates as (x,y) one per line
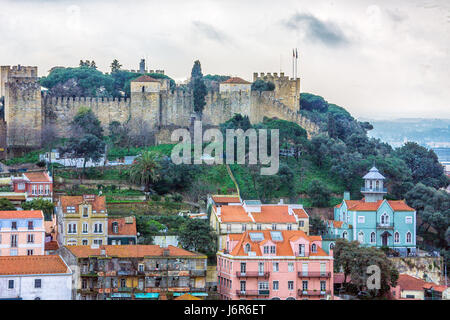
(22,233)
(268,264)
(34,185)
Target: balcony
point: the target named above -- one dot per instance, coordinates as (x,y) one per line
(198,273)
(374,190)
(385,226)
(314,274)
(253,274)
(253,293)
(313,293)
(126,273)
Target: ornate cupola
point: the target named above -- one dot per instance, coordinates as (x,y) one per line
(373,189)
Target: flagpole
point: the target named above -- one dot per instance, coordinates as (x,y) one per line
(293,56)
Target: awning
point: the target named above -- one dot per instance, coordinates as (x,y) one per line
(195,294)
(120,295)
(147,295)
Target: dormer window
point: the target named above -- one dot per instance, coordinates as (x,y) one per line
(314,248)
(70,209)
(266,249)
(272,249)
(85,211)
(247,248)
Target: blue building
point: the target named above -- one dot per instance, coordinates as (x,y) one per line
(374,221)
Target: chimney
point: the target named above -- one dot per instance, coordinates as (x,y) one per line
(346,195)
(281,201)
(103,252)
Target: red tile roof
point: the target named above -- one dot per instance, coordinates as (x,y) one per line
(22,214)
(226,199)
(301,213)
(361,205)
(236,80)
(273,214)
(98,204)
(129,251)
(436,287)
(51,245)
(144,78)
(128,229)
(234,214)
(407,282)
(49,264)
(38,176)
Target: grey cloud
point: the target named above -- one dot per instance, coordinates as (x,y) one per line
(210,32)
(327,33)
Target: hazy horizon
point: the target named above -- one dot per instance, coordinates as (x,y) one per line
(379,59)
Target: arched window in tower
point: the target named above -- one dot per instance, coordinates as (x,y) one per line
(408,237)
(385,219)
(372,237)
(361,237)
(396,237)
(344,235)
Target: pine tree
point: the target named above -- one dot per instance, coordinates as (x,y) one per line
(198,87)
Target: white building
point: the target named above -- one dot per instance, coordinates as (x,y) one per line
(35,278)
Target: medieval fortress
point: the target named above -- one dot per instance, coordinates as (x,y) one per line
(25,110)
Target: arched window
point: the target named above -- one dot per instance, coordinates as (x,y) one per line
(385,219)
(247,248)
(344,235)
(143,89)
(396,237)
(372,237)
(331,246)
(361,237)
(314,247)
(408,237)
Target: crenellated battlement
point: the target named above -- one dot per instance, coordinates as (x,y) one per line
(271,76)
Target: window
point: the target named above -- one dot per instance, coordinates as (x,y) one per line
(14,225)
(123,283)
(272,249)
(115,227)
(396,237)
(301,223)
(85,212)
(47,189)
(314,248)
(247,248)
(331,246)
(258,227)
(13,240)
(84,242)
(141,267)
(21,186)
(70,209)
(275,285)
(344,235)
(361,237)
(305,285)
(72,228)
(384,219)
(276,267)
(408,237)
(10,284)
(408,220)
(243,286)
(263,285)
(290,285)
(37,283)
(261,267)
(301,250)
(274,226)
(30,238)
(29,252)
(85,228)
(243,267)
(30,225)
(305,269)
(289,226)
(323,285)
(98,241)
(34,189)
(266,249)
(41,189)
(244,227)
(323,268)
(372,237)
(361,219)
(98,228)
(290,266)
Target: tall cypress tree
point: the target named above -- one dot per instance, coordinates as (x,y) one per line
(198,87)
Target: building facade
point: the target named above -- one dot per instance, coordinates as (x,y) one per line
(134,271)
(35,185)
(82,220)
(279,265)
(374,221)
(35,278)
(22,233)
(122,231)
(231,215)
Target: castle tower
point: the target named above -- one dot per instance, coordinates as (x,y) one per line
(22,106)
(142,66)
(145,100)
(373,189)
(286,90)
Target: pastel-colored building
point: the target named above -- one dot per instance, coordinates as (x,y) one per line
(82,220)
(34,185)
(22,233)
(235,84)
(231,215)
(413,288)
(122,231)
(35,278)
(374,221)
(286,265)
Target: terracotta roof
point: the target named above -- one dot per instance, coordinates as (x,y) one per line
(124,228)
(283,248)
(129,251)
(47,264)
(234,214)
(51,245)
(301,213)
(361,205)
(226,199)
(436,287)
(37,176)
(236,80)
(98,204)
(407,282)
(187,296)
(273,214)
(144,78)
(22,214)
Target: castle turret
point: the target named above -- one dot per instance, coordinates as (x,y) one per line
(145,99)
(373,189)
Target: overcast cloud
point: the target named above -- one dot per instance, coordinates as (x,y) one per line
(378,59)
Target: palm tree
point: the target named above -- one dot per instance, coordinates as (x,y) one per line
(145,170)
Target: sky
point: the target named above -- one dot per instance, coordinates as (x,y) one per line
(379,59)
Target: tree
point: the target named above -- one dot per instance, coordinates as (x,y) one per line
(319,194)
(197,235)
(313,102)
(198,88)
(46,206)
(261,85)
(145,170)
(86,122)
(331,127)
(115,66)
(6,205)
(316,225)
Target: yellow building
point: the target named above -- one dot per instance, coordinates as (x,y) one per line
(82,220)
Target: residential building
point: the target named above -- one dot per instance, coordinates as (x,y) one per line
(134,271)
(231,215)
(22,233)
(51,232)
(34,185)
(82,220)
(35,278)
(413,288)
(122,231)
(374,221)
(268,264)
